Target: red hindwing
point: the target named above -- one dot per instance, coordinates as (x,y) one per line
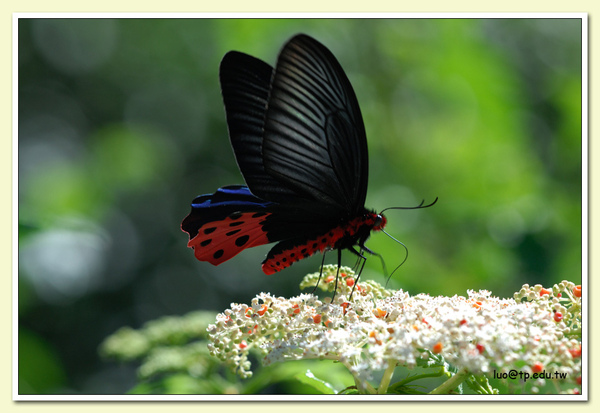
(218,241)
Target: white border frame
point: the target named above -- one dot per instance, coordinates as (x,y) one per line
(237,398)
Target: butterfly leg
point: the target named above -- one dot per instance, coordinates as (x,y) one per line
(362,258)
(363,248)
(385,272)
(337,273)
(320,273)
(357,263)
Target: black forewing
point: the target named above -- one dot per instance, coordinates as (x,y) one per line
(314,139)
(245,84)
(298,136)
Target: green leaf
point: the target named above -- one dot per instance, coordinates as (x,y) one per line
(480,385)
(322,386)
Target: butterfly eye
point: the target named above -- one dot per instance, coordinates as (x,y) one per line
(380,222)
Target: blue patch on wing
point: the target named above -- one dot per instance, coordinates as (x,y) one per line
(229,196)
(218,206)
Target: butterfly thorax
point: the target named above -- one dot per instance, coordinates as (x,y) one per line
(345,235)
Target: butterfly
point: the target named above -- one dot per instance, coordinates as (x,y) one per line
(299,140)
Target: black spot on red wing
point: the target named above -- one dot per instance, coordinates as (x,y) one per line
(292,254)
(315,245)
(324,240)
(228,238)
(284,259)
(242,240)
(303,251)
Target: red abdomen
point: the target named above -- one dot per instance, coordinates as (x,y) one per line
(286,253)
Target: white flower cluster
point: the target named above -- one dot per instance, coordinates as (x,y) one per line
(379,329)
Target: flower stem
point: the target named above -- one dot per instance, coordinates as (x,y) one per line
(387,377)
(452,383)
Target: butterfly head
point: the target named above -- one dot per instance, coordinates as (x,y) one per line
(380,221)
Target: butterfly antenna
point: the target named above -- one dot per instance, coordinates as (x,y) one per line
(405,256)
(420,206)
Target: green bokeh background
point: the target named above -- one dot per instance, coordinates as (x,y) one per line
(121,125)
